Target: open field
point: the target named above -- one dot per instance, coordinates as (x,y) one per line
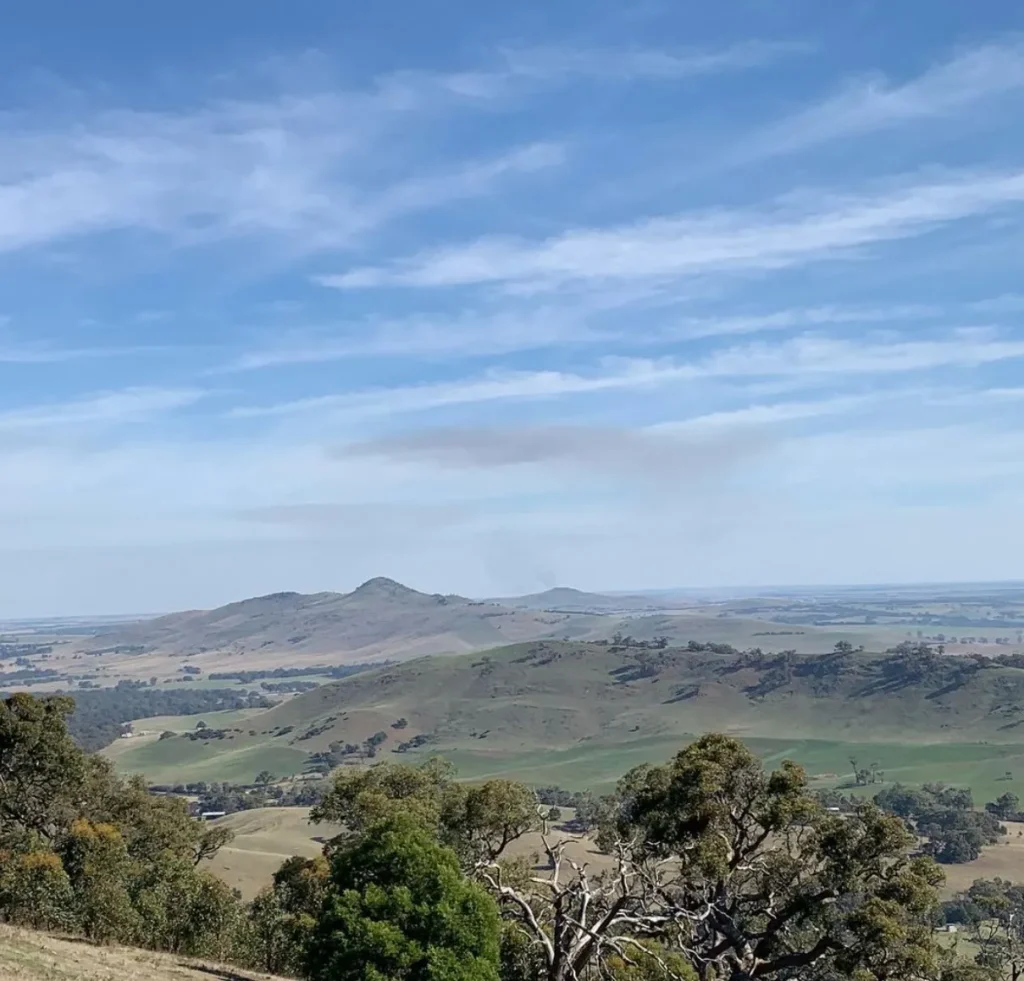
(29,956)
(980,766)
(167,761)
(264,838)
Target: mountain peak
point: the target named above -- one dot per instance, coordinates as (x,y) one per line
(382,586)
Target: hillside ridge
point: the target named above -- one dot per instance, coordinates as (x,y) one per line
(517,707)
(379,618)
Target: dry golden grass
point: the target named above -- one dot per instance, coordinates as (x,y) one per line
(264,838)
(29,956)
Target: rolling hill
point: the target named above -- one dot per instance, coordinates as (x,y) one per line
(384,620)
(579,714)
(570,600)
(381,618)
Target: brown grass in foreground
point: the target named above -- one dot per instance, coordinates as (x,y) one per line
(29,956)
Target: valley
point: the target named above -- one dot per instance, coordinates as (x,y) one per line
(255,705)
(558,688)
(578,714)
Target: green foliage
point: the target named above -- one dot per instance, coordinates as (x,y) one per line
(654,964)
(399,908)
(38,763)
(1005,807)
(519,958)
(96,859)
(995,920)
(35,891)
(184,910)
(943,815)
(283,916)
(771,885)
(477,821)
(86,851)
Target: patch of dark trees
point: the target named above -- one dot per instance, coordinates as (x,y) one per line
(16,650)
(945,818)
(288,686)
(328,670)
(101,712)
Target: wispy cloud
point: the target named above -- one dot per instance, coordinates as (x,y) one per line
(796,230)
(590,320)
(469,334)
(102,408)
(288,169)
(15,354)
(297,166)
(640,63)
(875,103)
(792,361)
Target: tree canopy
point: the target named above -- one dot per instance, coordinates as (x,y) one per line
(400,909)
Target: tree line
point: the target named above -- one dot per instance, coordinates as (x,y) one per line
(99,714)
(711,869)
(325,670)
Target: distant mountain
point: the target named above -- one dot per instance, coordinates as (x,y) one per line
(381,618)
(577,601)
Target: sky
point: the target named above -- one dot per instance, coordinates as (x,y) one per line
(492,298)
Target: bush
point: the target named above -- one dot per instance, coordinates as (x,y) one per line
(399,908)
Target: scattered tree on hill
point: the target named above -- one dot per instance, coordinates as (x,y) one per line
(370,745)
(1006,807)
(100,712)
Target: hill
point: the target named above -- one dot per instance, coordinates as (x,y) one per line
(576,601)
(578,714)
(29,956)
(382,618)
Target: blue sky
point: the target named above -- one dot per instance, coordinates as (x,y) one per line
(489,299)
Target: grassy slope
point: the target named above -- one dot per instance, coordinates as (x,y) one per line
(579,714)
(264,838)
(29,956)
